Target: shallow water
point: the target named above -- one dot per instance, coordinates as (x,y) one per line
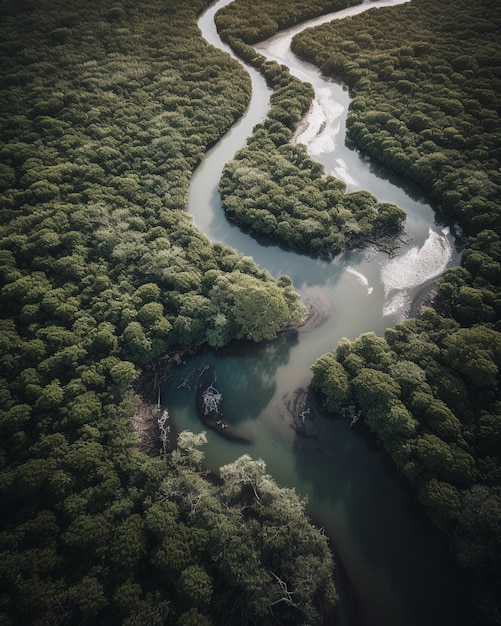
(396,563)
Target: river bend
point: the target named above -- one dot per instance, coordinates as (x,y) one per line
(397,566)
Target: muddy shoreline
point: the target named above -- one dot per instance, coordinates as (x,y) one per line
(427,296)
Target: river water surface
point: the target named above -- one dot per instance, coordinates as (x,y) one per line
(397,569)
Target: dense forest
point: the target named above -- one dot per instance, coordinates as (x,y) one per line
(106,110)
(249,22)
(427,105)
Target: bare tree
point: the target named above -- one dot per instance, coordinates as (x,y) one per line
(164,432)
(211,399)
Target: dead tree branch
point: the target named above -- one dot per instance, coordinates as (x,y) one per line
(185,382)
(164,432)
(351,413)
(211,399)
(286,594)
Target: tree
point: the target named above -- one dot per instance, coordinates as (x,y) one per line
(476,353)
(193,617)
(196,586)
(87,536)
(257,311)
(437,416)
(471,306)
(434,455)
(408,375)
(331,379)
(442,501)
(128,545)
(373,350)
(136,344)
(478,534)
(374,389)
(123,373)
(89,596)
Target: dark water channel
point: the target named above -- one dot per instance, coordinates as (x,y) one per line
(397,566)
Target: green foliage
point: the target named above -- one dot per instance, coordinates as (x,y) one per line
(252,22)
(438,417)
(273,188)
(331,379)
(442,500)
(480,515)
(106,111)
(476,353)
(258,534)
(248,309)
(425,106)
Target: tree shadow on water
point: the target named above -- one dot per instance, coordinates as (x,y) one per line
(397,563)
(243,372)
(246,374)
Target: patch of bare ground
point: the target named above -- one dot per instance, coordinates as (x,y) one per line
(144,423)
(302,126)
(427,297)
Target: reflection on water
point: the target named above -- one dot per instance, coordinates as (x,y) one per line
(415,267)
(323,133)
(323,125)
(418,264)
(362,279)
(396,563)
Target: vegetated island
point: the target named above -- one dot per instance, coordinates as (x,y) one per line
(272,187)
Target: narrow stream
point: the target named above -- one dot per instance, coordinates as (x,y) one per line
(397,565)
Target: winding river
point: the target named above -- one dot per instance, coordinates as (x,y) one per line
(396,567)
